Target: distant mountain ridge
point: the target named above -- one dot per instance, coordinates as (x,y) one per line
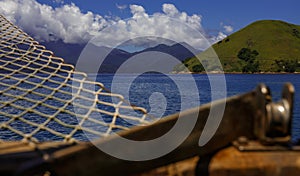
(181,51)
(277,44)
(71,52)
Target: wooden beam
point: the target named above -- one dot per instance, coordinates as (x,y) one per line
(86,159)
(89,160)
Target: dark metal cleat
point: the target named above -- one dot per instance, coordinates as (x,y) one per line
(273,119)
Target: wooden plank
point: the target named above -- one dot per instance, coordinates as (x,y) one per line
(86,159)
(18,156)
(186,167)
(230,162)
(89,160)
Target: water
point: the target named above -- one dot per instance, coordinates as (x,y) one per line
(148,84)
(163,95)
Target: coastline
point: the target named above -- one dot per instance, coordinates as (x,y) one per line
(240,73)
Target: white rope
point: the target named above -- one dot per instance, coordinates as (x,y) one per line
(43,99)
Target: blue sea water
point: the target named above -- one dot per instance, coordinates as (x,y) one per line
(145,85)
(162,95)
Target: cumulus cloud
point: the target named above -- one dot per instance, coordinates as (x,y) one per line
(69,24)
(228,29)
(45,23)
(171,24)
(220,36)
(170,9)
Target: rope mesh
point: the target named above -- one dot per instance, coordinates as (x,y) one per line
(43,99)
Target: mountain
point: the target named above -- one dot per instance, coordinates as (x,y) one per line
(70,52)
(116,57)
(181,51)
(263,46)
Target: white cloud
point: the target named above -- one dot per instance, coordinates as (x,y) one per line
(172,25)
(138,11)
(121,7)
(220,36)
(43,22)
(73,26)
(170,9)
(228,29)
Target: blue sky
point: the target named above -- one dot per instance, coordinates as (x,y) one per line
(237,13)
(79,21)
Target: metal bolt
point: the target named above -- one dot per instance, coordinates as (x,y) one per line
(243,140)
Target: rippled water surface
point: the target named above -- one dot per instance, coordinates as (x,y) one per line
(146,85)
(161,95)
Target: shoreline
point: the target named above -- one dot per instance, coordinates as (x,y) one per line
(204,73)
(241,73)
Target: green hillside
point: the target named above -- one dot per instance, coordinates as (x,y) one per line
(269,46)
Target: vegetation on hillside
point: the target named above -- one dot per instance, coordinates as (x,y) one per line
(263,46)
(249,56)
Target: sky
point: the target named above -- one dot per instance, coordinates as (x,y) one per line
(232,12)
(77,21)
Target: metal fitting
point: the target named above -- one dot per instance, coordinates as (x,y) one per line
(273,119)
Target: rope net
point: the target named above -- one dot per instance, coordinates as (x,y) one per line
(44,99)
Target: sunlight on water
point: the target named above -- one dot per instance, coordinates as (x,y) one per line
(146,84)
(160,95)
